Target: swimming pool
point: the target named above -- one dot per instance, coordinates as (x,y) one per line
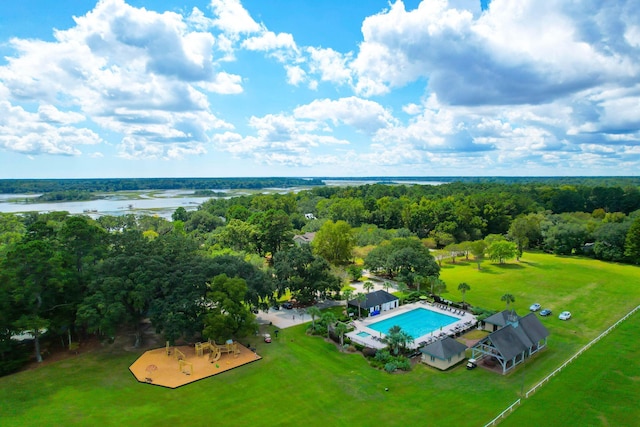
(417,322)
(363,334)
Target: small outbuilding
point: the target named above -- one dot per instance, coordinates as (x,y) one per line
(498,320)
(376,302)
(443,353)
(304,239)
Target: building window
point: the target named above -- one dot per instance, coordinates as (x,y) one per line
(433,359)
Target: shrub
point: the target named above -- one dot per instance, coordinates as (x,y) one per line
(403,363)
(369,352)
(482,313)
(382,356)
(390,367)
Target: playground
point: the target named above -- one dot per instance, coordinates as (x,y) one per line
(172,366)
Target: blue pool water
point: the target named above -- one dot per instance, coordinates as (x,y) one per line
(363,334)
(417,322)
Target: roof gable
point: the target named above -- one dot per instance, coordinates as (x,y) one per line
(533,327)
(510,341)
(375,298)
(516,337)
(501,318)
(444,348)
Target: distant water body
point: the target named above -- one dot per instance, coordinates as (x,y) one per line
(161,203)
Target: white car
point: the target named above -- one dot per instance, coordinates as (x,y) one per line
(534,307)
(565,315)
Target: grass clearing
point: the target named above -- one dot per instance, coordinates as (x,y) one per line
(304,379)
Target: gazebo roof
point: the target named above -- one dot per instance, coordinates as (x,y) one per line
(501,318)
(517,337)
(444,348)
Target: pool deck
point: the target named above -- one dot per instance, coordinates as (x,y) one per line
(465,321)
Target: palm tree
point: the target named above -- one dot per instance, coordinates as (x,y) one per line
(348,294)
(313,311)
(508,298)
(329,319)
(418,280)
(386,286)
(402,288)
(368,286)
(396,338)
(463,288)
(341,329)
(361,298)
(437,285)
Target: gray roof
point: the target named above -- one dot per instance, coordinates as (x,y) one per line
(444,348)
(304,238)
(514,339)
(533,327)
(374,298)
(501,318)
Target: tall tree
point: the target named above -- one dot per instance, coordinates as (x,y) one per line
(314,312)
(478,248)
(36,275)
(403,257)
(463,288)
(632,242)
(273,230)
(306,276)
(367,286)
(341,329)
(501,251)
(328,318)
(228,316)
(508,299)
(123,287)
(335,242)
(361,299)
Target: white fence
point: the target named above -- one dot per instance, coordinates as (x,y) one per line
(510,409)
(582,350)
(503,414)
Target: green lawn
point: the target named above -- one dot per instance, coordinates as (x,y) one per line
(306,381)
(599,388)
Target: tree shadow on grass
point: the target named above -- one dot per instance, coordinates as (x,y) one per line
(509,266)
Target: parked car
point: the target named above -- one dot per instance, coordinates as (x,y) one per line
(472,363)
(565,315)
(267,337)
(288,305)
(545,312)
(534,307)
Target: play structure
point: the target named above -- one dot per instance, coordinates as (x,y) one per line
(174,366)
(215,351)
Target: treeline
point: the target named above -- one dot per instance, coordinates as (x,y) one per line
(27,186)
(63,196)
(204,273)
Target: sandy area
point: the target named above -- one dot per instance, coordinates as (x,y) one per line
(158,368)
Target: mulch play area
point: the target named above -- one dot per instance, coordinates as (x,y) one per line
(173,367)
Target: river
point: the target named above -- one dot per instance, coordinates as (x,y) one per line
(156,202)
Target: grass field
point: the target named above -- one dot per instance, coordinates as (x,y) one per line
(304,380)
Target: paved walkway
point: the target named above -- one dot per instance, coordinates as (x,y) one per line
(284,318)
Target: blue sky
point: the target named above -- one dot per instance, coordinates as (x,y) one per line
(162,88)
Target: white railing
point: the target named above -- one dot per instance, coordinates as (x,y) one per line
(510,409)
(503,414)
(582,350)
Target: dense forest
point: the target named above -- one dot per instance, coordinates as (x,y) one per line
(204,273)
(30,186)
